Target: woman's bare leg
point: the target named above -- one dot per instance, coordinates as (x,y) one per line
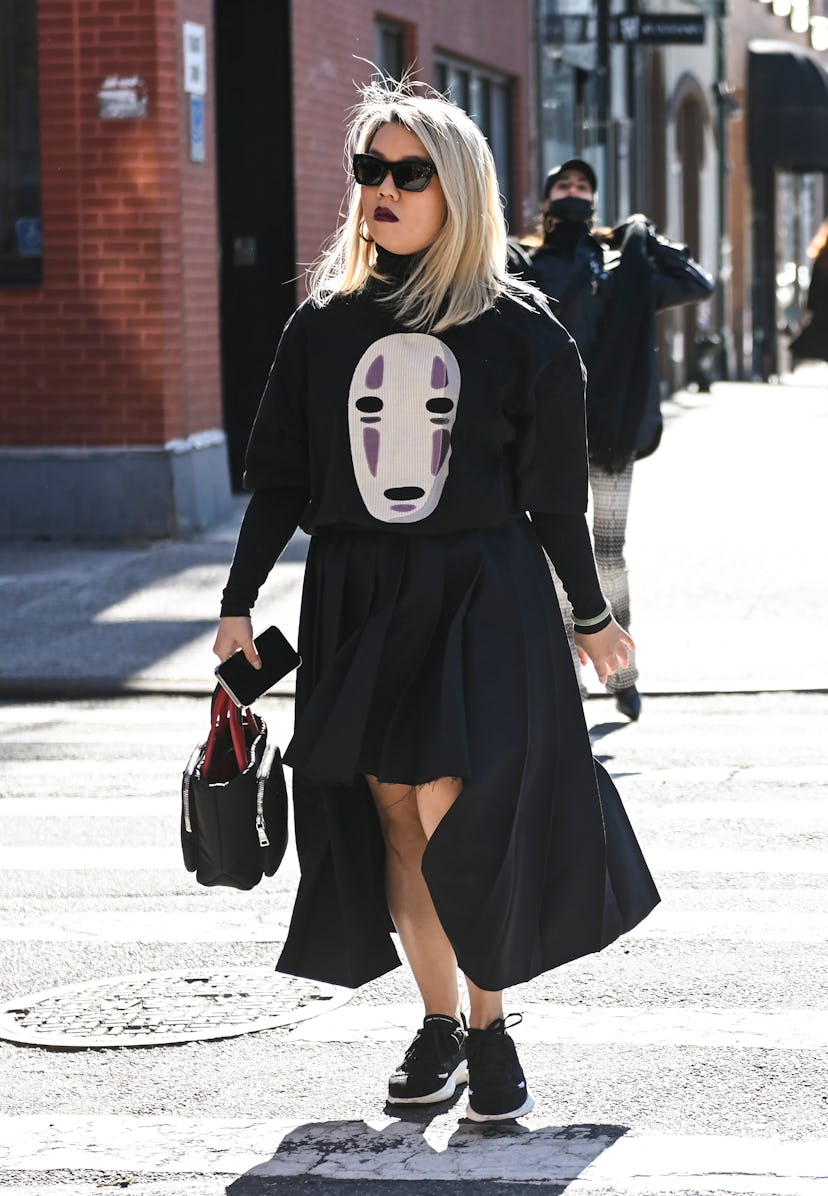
(427,949)
(409,817)
(434,801)
(486,1006)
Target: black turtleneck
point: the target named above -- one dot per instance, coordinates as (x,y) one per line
(397,266)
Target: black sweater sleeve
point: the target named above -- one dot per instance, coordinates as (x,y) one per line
(566,541)
(270,520)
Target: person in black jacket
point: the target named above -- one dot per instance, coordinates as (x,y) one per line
(607,287)
(424,422)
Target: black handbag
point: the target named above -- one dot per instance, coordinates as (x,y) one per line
(234,819)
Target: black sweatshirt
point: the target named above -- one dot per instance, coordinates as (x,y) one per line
(366,425)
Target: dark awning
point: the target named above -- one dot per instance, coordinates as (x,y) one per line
(787,107)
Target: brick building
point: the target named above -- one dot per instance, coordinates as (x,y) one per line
(167,168)
(109,388)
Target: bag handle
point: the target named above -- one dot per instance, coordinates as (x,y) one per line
(224,707)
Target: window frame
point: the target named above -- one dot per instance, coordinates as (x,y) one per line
(384,28)
(20,147)
(487,96)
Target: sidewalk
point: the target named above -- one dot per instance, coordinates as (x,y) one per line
(726,551)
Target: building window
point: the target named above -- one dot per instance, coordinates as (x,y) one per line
(486,96)
(20,235)
(389,49)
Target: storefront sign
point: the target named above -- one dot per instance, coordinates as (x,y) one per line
(642,29)
(658,29)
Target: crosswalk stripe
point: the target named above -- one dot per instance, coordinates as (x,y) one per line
(96,807)
(157,926)
(772,1029)
(787,810)
(127,732)
(390,1150)
(250,925)
(744,925)
(706,860)
(548,1025)
(693,774)
(794,814)
(90,807)
(726,860)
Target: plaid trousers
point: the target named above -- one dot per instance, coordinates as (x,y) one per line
(610,506)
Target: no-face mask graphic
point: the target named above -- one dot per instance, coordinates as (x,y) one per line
(401,409)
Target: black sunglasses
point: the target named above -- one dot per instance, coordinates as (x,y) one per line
(408,176)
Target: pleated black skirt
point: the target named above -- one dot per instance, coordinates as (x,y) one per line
(427,656)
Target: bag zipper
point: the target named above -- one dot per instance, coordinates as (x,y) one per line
(192,764)
(263,776)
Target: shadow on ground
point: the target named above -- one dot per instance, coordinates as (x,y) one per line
(89,617)
(349,1158)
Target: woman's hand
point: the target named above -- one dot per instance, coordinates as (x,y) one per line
(236,631)
(609,649)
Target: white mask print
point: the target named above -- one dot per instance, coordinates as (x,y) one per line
(401,410)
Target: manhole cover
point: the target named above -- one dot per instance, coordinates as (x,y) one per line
(165,1007)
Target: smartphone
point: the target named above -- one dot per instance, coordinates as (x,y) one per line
(245,684)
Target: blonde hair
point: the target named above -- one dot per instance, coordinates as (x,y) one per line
(820,240)
(463,272)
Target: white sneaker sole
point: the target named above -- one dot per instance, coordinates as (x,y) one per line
(473,1115)
(459,1076)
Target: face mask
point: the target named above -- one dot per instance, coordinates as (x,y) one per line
(572,207)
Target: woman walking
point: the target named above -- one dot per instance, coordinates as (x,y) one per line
(421,402)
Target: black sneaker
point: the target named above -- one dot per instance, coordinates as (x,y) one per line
(628,701)
(497,1085)
(434,1064)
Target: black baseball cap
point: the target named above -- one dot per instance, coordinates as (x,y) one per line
(573,164)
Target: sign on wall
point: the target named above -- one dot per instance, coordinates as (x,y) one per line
(195,85)
(195,59)
(122,97)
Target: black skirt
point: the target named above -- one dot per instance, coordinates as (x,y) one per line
(427,656)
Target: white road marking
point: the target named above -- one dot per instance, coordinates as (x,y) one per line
(795,815)
(704,860)
(156,926)
(770,1029)
(138,806)
(91,807)
(787,810)
(699,860)
(722,774)
(256,926)
(390,1150)
(743,925)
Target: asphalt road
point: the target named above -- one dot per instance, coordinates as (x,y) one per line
(690,1057)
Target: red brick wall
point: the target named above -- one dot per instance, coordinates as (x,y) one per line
(119,345)
(328,41)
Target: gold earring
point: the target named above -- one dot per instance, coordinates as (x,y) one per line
(369,240)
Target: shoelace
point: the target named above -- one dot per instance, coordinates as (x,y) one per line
(504,1055)
(434,1031)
